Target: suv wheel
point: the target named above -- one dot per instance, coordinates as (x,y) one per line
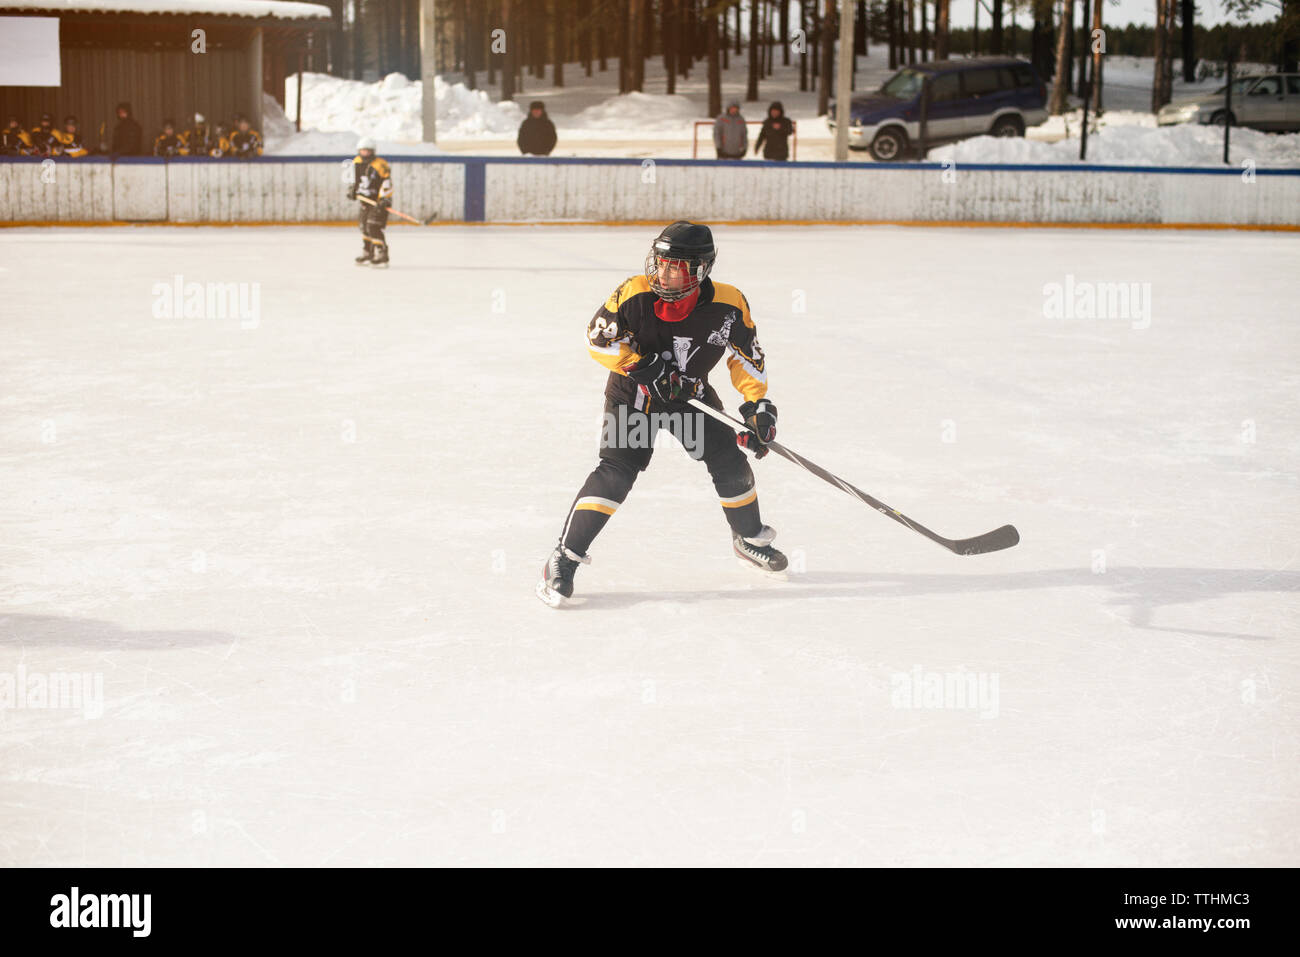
(1009,126)
(888,145)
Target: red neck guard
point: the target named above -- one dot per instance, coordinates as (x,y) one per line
(679,310)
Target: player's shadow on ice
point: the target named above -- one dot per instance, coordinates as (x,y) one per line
(45,631)
(1142,591)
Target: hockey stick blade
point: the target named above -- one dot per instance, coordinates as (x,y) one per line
(993,541)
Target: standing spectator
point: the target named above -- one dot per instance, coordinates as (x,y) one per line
(245,142)
(730,135)
(126,133)
(197,139)
(14,140)
(42,136)
(776,130)
(168,143)
(536,132)
(67,142)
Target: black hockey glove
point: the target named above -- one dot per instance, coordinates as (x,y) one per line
(663,380)
(760,418)
(385,203)
(352,193)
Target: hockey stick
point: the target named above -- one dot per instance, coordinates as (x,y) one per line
(993,541)
(395,212)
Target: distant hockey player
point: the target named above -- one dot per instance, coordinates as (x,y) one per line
(774,136)
(67,141)
(42,137)
(245,142)
(198,138)
(372,180)
(168,142)
(660,333)
(220,142)
(14,140)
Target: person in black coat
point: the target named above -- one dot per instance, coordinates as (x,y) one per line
(126,133)
(777,129)
(536,132)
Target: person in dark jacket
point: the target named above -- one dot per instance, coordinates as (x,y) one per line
(168,143)
(14,140)
(536,132)
(127,134)
(42,137)
(730,135)
(776,131)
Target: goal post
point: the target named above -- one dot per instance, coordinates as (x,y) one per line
(708,138)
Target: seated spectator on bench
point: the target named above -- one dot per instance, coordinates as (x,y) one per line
(168,143)
(14,140)
(245,141)
(67,142)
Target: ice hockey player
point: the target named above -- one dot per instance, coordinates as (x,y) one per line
(198,138)
(372,180)
(42,136)
(14,140)
(220,142)
(245,142)
(168,143)
(659,334)
(67,141)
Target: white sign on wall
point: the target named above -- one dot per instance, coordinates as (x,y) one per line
(29,51)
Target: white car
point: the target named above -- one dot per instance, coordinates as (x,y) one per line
(1270,103)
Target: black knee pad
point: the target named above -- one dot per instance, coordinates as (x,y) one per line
(733,478)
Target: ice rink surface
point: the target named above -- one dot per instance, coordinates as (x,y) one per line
(297,554)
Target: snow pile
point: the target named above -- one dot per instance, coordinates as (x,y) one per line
(391,109)
(1132,145)
(637,114)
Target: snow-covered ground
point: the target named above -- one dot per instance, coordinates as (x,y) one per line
(299,550)
(592,121)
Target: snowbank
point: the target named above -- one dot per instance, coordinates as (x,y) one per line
(390,110)
(636,114)
(1131,144)
(281,140)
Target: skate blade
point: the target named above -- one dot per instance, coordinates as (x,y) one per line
(550,596)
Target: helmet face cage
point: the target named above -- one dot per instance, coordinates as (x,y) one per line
(696,271)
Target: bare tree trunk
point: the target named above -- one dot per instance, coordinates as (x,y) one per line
(911,32)
(995,34)
(828,30)
(560,12)
(803,47)
(668,18)
(1158,97)
(785,31)
(1189,41)
(508,60)
(1063,61)
(751,88)
(925,33)
(1098,71)
(715,75)
(941,29)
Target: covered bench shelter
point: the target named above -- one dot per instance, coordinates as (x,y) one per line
(144,52)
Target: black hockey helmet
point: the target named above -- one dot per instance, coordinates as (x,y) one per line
(690,244)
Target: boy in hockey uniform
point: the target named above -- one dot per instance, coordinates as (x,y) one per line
(372,181)
(42,137)
(67,141)
(245,142)
(14,140)
(219,147)
(660,334)
(168,143)
(198,138)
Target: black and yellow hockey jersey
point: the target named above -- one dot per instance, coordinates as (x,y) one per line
(64,143)
(626,328)
(246,144)
(373,178)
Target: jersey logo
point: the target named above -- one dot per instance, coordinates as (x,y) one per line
(682,351)
(721,337)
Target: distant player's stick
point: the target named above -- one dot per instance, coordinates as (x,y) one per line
(395,212)
(993,541)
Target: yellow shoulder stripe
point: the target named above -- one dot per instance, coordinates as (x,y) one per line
(731,296)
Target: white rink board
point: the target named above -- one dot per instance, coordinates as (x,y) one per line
(289,190)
